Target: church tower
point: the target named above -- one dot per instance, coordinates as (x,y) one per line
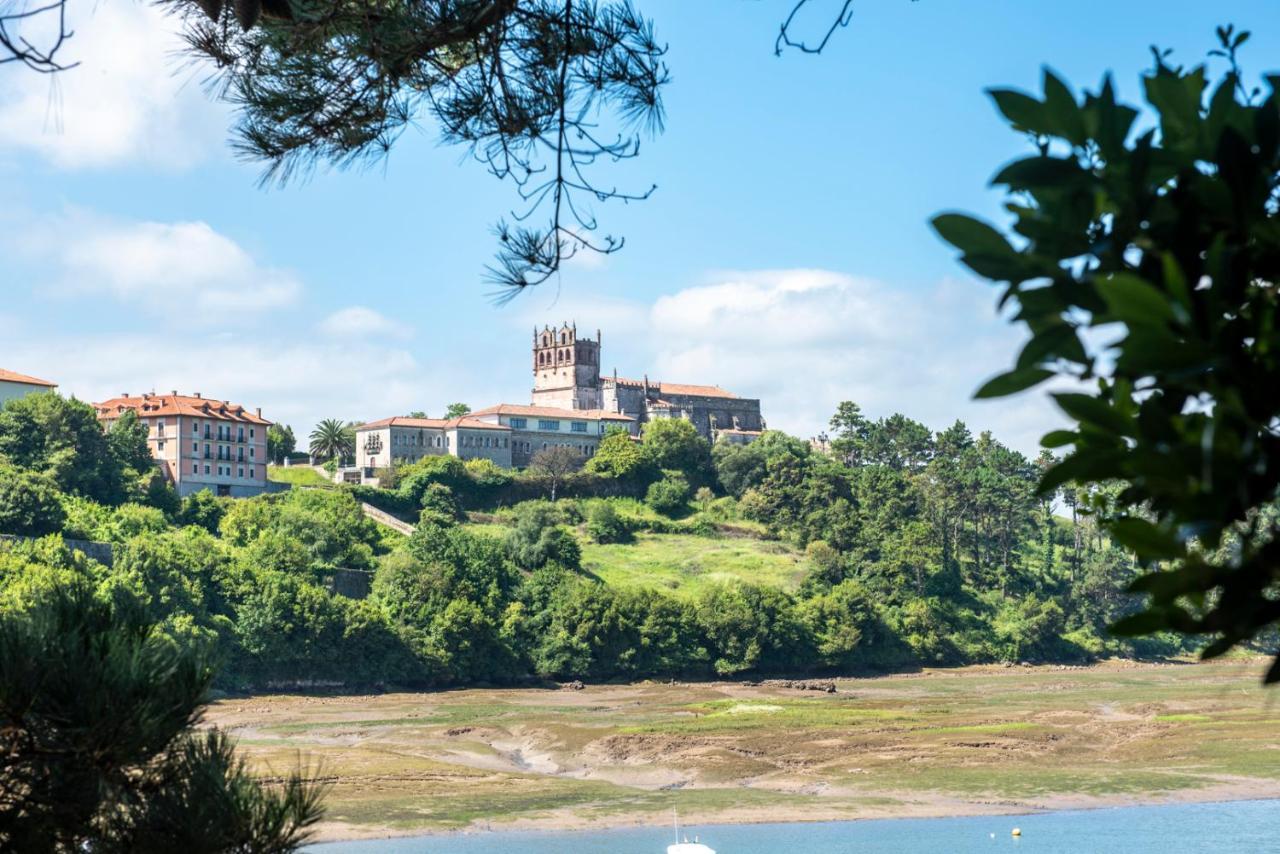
(566,369)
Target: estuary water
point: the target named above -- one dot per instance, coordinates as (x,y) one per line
(1239,827)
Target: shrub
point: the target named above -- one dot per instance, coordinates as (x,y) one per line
(605,525)
(669,496)
(439,499)
(538,539)
(29,504)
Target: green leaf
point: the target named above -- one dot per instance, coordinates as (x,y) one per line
(1039,171)
(1148,541)
(1142,623)
(971,235)
(1080,467)
(1060,106)
(1058,438)
(1095,411)
(1012,382)
(1135,300)
(1021,109)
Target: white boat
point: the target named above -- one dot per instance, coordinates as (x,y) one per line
(685,846)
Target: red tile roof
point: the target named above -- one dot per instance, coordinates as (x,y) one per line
(405,421)
(467,421)
(553,412)
(154,405)
(15,377)
(677,388)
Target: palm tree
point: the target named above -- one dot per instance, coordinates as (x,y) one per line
(333,440)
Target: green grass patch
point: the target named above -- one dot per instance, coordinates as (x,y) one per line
(684,565)
(1184,718)
(298,476)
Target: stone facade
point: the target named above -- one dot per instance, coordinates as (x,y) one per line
(199,443)
(536,428)
(566,369)
(400,441)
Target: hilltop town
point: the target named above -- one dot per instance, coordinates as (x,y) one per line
(204,443)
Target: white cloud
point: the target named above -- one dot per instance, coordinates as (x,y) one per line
(296,382)
(164,268)
(803,340)
(358,321)
(131,98)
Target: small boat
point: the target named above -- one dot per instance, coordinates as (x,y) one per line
(685,846)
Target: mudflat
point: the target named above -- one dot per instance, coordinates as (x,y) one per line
(939,742)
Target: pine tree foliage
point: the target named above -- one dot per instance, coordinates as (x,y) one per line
(98,749)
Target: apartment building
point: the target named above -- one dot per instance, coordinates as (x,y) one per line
(200,443)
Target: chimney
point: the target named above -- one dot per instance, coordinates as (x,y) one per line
(258,409)
(174,392)
(197,394)
(124,394)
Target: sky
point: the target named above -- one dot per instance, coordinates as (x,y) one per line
(785,254)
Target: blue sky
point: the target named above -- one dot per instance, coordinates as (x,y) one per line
(785,254)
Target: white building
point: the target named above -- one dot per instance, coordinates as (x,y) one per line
(14,385)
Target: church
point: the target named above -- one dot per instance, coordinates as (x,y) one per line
(566,375)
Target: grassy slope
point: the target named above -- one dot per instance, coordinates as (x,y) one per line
(298,476)
(973,740)
(684,564)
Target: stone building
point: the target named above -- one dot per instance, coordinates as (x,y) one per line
(566,374)
(400,440)
(537,428)
(199,443)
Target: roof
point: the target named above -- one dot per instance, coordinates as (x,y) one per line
(553,412)
(405,421)
(15,377)
(676,388)
(153,405)
(466,421)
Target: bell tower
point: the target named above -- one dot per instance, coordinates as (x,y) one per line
(566,368)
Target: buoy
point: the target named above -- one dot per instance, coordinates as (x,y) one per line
(1017,831)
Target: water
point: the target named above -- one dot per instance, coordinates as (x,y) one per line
(1240,827)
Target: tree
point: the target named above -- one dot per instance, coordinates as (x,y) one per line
(1167,236)
(620,456)
(280,442)
(64,439)
(333,440)
(29,504)
(457,410)
(673,443)
(97,725)
(554,464)
(669,496)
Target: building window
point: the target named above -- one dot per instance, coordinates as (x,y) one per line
(195,428)
(546,424)
(240,435)
(519,423)
(578,426)
(251,453)
(250,436)
(240,472)
(206,468)
(195,447)
(160,445)
(195,468)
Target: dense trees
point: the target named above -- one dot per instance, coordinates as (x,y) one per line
(919,547)
(62,438)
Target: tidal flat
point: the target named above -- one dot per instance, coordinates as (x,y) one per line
(966,741)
